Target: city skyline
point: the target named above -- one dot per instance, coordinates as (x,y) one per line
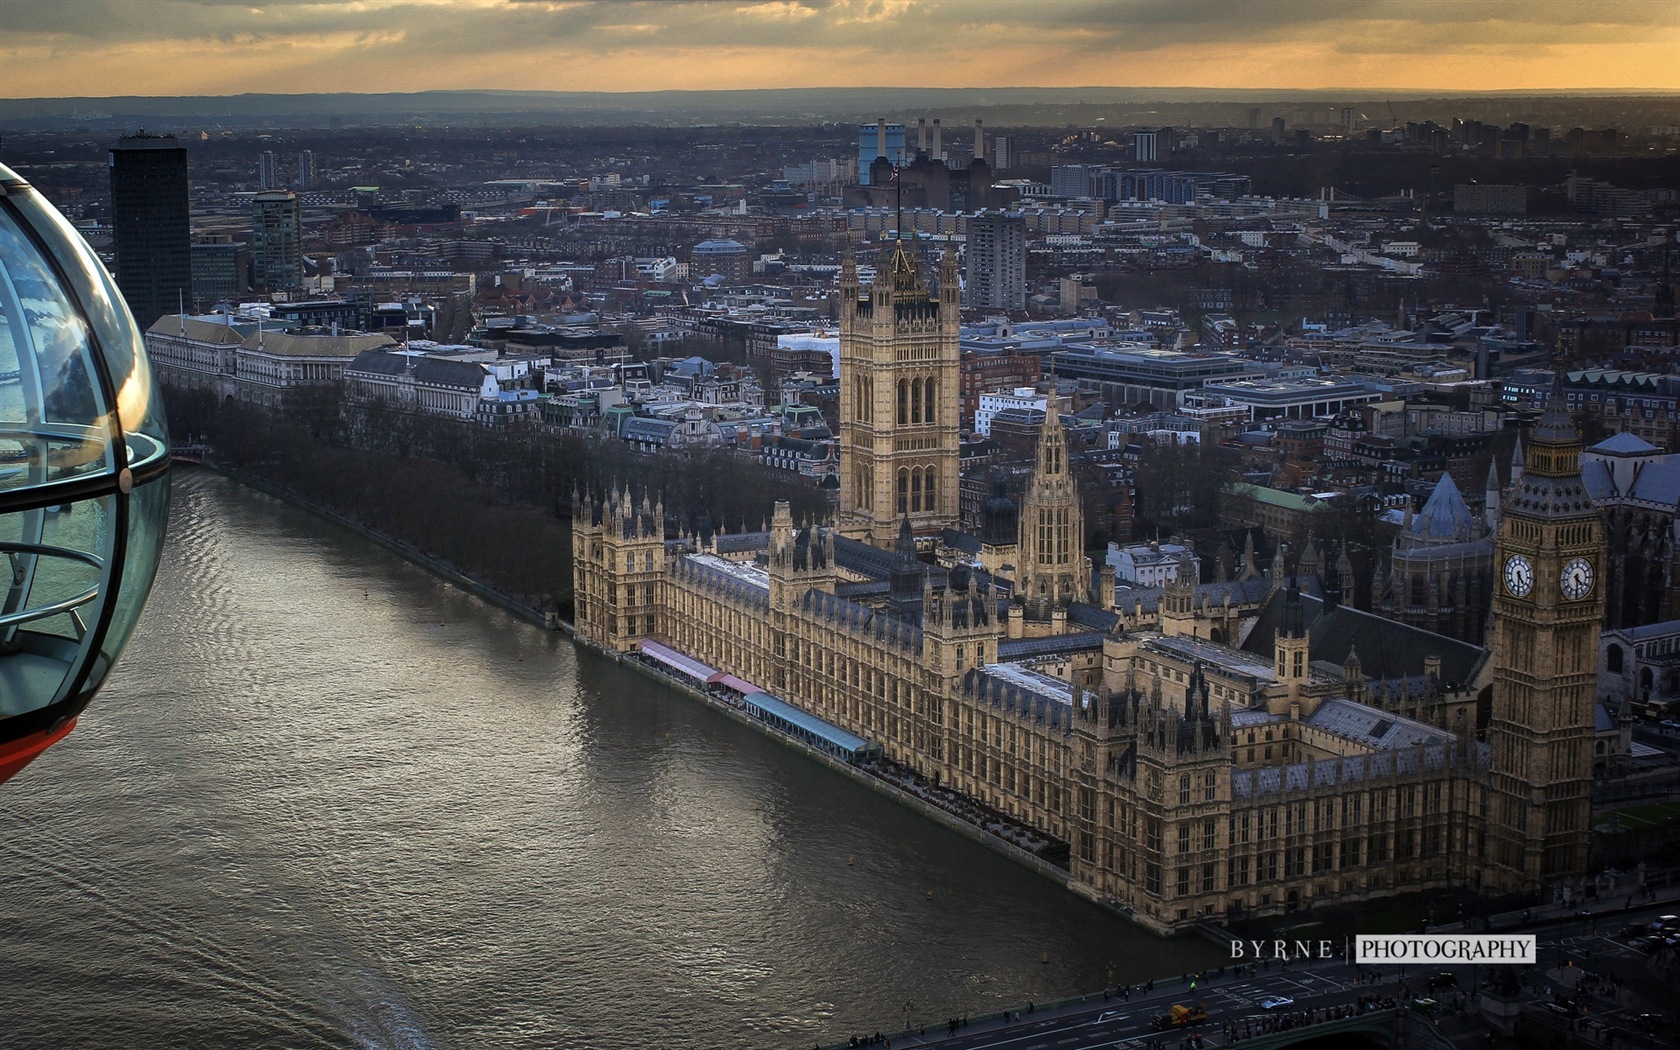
(102,48)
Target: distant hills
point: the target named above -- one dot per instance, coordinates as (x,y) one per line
(1011,106)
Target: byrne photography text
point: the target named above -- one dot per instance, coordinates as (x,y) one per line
(1292,950)
(1403,948)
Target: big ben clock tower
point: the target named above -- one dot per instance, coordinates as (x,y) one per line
(1548,608)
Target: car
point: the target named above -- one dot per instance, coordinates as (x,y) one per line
(1443,980)
(1562,1009)
(1276,1002)
(1653,1022)
(1669,723)
(1663,922)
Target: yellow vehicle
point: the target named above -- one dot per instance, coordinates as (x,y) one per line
(1181,1016)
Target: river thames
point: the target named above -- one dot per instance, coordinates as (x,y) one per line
(329,800)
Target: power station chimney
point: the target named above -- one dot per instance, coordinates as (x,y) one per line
(979,141)
(880,136)
(921,134)
(938,150)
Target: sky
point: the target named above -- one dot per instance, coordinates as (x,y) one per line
(63,48)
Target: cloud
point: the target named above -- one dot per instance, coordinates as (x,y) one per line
(228,46)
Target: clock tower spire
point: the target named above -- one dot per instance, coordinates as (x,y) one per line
(1548,607)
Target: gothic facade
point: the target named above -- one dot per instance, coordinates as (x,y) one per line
(1252,752)
(1440,573)
(899,423)
(1637,489)
(1548,610)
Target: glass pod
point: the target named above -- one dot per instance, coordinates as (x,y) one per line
(84,474)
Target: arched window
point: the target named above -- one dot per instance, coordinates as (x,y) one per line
(903,401)
(927,488)
(915,400)
(1613,659)
(903,491)
(929,392)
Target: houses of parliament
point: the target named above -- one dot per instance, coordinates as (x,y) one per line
(1246,747)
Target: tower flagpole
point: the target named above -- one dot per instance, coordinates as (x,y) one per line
(898,186)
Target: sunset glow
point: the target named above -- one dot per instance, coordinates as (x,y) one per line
(176,47)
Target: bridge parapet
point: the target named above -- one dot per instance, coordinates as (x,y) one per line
(1380,1027)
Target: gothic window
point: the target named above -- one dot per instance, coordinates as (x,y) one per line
(903,401)
(915,400)
(903,491)
(1613,659)
(929,391)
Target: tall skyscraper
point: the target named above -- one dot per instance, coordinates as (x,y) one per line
(1548,606)
(899,408)
(306,170)
(268,170)
(1000,153)
(1145,146)
(997,261)
(150,222)
(276,241)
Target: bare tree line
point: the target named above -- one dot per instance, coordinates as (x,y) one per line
(494,502)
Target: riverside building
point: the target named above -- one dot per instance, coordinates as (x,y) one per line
(1233,749)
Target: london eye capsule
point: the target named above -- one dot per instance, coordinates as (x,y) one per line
(84,474)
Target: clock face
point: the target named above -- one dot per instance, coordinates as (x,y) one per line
(1519,575)
(1576,579)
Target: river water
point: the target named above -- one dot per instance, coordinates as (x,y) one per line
(328,800)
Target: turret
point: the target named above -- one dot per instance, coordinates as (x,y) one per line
(1353,676)
(1291,643)
(1178,601)
(908,573)
(1344,569)
(950,286)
